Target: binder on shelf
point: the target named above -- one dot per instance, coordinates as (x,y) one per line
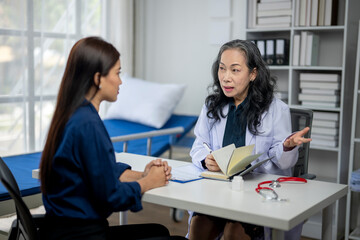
(302,17)
(297,13)
(296,50)
(252,5)
(282,52)
(303,41)
(261,46)
(270,52)
(312,49)
(321,13)
(330,16)
(314,12)
(308,13)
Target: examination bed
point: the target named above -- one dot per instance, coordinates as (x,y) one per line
(126,136)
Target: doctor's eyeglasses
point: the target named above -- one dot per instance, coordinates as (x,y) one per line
(269,193)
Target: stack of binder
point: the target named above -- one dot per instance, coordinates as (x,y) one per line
(305,49)
(269,14)
(325,129)
(320,90)
(274,51)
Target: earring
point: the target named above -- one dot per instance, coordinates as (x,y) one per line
(99,86)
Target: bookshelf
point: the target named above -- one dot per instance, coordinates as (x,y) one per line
(336,56)
(352,230)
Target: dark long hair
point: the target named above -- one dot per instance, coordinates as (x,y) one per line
(87,57)
(260,92)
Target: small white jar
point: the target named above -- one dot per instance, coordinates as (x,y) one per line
(237,183)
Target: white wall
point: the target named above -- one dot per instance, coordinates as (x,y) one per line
(172,45)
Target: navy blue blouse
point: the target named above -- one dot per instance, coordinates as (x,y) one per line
(85,177)
(235,129)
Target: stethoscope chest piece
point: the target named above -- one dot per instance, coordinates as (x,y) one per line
(275,184)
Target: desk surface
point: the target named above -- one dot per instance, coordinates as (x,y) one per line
(216,198)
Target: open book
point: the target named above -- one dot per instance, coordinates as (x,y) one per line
(233,161)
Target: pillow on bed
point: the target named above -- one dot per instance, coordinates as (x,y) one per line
(145,102)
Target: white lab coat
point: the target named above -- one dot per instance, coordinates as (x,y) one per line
(274,129)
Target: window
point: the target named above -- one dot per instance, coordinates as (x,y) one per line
(35,39)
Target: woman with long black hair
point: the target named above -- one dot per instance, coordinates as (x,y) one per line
(242,109)
(80,180)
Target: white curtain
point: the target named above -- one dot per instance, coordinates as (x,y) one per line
(121,32)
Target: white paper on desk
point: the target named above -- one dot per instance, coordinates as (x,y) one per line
(186,173)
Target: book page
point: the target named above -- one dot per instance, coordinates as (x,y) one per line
(239,154)
(214,175)
(240,166)
(223,156)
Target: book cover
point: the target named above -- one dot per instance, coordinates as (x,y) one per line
(325,131)
(331,116)
(274,20)
(314,104)
(232,161)
(325,123)
(317,97)
(277,25)
(325,137)
(274,13)
(320,85)
(324,143)
(262,6)
(320,91)
(323,77)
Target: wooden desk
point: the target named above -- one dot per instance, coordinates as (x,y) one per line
(216,198)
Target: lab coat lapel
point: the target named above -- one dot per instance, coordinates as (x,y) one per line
(220,128)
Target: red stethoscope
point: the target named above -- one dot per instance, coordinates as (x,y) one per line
(269,194)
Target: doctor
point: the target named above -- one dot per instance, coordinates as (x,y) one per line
(242,110)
